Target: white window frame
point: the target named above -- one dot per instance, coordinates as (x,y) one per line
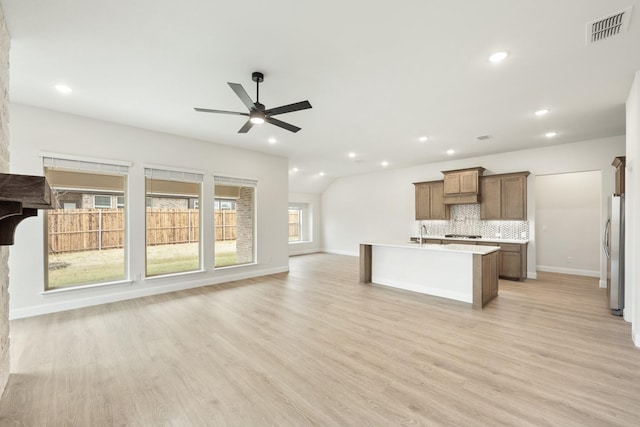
(306,222)
(168,173)
(84,164)
(239,182)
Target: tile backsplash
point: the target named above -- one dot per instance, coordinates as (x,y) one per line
(465,219)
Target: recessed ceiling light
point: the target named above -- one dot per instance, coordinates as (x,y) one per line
(451,151)
(385,164)
(272,140)
(63,88)
(550,134)
(498,56)
(352,155)
(321,173)
(295,169)
(423,139)
(542,112)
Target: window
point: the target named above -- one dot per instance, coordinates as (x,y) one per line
(86,243)
(120,202)
(102,202)
(295,221)
(234,210)
(299,222)
(173,228)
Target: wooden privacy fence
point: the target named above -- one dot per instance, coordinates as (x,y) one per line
(72,230)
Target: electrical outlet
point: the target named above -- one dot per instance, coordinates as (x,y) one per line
(137,277)
(569,259)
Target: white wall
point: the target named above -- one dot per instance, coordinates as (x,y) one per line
(34,130)
(380,206)
(314,244)
(568,223)
(632,212)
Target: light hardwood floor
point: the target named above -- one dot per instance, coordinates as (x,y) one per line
(315,347)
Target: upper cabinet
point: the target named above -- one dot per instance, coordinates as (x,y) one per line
(462,186)
(430,201)
(504,197)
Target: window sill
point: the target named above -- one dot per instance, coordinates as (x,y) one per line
(299,242)
(51,292)
(181,273)
(227,267)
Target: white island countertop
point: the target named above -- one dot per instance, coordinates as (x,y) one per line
(479,239)
(467,273)
(454,247)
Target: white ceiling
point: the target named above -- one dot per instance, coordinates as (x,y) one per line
(379,74)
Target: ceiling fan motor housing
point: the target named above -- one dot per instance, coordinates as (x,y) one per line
(257,77)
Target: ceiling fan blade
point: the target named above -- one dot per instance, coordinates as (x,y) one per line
(242,94)
(303,105)
(246,127)
(207,110)
(282,124)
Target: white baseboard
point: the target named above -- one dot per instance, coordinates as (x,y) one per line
(140,290)
(574,271)
(340,252)
(304,252)
(532,275)
(603,283)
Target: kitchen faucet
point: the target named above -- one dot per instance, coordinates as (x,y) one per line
(423,231)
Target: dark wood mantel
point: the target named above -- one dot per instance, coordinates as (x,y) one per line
(20,197)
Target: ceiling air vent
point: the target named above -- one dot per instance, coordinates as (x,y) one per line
(608,26)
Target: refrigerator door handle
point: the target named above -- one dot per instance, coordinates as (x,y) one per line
(605,238)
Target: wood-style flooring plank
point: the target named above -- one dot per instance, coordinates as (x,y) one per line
(316,347)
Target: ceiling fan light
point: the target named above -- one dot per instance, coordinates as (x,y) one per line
(257,120)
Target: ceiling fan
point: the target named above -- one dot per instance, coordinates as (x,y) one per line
(257,113)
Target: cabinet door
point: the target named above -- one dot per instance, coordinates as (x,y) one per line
(489,276)
(438,209)
(423,195)
(510,265)
(469,182)
(491,200)
(514,197)
(452,183)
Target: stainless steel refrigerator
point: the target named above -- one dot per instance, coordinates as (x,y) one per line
(613,245)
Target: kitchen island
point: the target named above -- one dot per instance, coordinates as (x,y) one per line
(466,273)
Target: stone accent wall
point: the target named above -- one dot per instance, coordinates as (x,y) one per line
(244,225)
(4,167)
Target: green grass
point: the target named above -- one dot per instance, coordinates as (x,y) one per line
(108,265)
(80,275)
(176,264)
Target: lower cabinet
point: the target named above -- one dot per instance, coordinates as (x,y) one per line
(513,259)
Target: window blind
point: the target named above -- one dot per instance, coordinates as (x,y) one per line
(173,175)
(237,182)
(89,165)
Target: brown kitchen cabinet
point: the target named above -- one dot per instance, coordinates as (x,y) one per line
(464,181)
(430,201)
(458,242)
(504,197)
(426,240)
(512,262)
